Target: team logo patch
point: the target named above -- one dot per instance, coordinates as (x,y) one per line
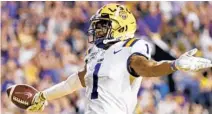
(123,14)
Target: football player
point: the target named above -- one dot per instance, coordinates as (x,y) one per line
(115,65)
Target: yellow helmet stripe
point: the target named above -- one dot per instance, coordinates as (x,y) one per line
(130,42)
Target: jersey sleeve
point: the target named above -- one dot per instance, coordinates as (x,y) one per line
(138,47)
(141,47)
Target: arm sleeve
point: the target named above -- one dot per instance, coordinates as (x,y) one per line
(71,84)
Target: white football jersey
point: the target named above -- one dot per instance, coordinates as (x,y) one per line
(108,86)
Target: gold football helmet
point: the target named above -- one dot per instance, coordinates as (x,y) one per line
(112,23)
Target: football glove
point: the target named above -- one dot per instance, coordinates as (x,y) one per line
(187,62)
(38,103)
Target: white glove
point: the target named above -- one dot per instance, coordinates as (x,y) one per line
(187,62)
(39,103)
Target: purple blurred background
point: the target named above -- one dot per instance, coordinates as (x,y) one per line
(42,43)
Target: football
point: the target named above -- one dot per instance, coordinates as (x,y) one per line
(21,95)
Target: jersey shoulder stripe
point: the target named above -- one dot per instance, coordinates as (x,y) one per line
(130,42)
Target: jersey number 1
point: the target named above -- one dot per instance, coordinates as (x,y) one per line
(94,94)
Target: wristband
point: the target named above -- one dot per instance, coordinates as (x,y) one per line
(173,67)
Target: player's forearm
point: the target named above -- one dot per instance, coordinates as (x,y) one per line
(149,68)
(161,68)
(64,88)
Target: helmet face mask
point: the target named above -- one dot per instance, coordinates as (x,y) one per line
(100,29)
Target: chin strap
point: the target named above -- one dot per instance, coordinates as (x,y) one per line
(105,43)
(110,41)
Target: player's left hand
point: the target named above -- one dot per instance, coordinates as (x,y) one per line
(187,62)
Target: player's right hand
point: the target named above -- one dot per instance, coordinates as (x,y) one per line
(187,62)
(39,103)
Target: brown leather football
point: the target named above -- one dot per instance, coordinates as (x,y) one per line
(21,95)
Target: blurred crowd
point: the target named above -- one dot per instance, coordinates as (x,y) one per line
(42,43)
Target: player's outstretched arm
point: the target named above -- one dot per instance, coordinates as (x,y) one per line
(71,84)
(150,68)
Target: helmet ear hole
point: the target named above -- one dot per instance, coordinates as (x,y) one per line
(121,29)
